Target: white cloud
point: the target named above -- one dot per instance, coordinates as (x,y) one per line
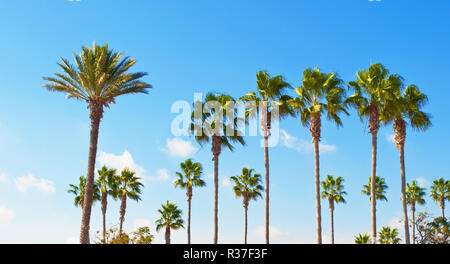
(302,145)
(29,182)
(141,223)
(396,222)
(121,162)
(274,232)
(161,175)
(6,215)
(4,177)
(177,147)
(422,182)
(226,182)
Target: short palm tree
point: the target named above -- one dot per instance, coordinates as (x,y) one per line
(128,186)
(170,219)
(414,195)
(247,185)
(406,107)
(189,178)
(362,239)
(319,93)
(373,87)
(271,95)
(440,192)
(78,191)
(380,191)
(107,182)
(210,124)
(100,76)
(333,190)
(388,236)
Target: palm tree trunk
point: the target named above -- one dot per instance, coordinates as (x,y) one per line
(413,211)
(245,202)
(265,125)
(123,207)
(442,204)
(332,221)
(96,113)
(189,219)
(314,129)
(216,149)
(167,234)
(403,188)
(374,126)
(104,206)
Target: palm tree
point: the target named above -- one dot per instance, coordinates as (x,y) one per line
(128,185)
(107,181)
(209,124)
(78,191)
(333,190)
(190,177)
(440,192)
(388,236)
(373,87)
(362,239)
(247,185)
(99,78)
(319,93)
(170,219)
(414,194)
(380,191)
(406,107)
(271,92)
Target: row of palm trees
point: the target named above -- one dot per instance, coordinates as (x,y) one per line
(101,75)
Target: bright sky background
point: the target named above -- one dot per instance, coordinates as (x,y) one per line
(201,46)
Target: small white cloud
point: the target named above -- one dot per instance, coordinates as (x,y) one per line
(396,222)
(4,177)
(6,215)
(274,232)
(121,162)
(226,182)
(176,147)
(141,223)
(302,145)
(30,182)
(422,182)
(161,175)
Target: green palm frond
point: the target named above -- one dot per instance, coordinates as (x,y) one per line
(247,184)
(380,188)
(170,215)
(415,193)
(333,189)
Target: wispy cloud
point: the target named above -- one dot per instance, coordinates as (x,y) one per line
(30,182)
(6,215)
(4,177)
(302,145)
(176,147)
(161,175)
(120,162)
(422,182)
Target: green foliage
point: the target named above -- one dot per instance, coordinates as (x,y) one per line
(78,191)
(388,236)
(362,239)
(380,188)
(440,190)
(130,185)
(333,189)
(191,176)
(171,216)
(432,230)
(414,193)
(100,75)
(141,236)
(107,181)
(247,184)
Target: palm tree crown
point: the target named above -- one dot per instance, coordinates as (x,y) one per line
(380,188)
(415,193)
(333,189)
(170,215)
(388,236)
(129,185)
(440,192)
(191,175)
(78,191)
(362,239)
(247,185)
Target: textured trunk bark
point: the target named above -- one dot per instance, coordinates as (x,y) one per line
(96,111)
(317,180)
(266,162)
(104,207)
(123,207)
(442,202)
(413,212)
(216,150)
(372,188)
(332,221)
(245,226)
(167,234)
(403,189)
(189,219)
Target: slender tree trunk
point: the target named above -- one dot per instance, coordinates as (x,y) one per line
(96,113)
(167,234)
(266,162)
(413,212)
(216,149)
(245,217)
(314,128)
(374,126)
(104,206)
(332,220)
(265,125)
(442,204)
(123,207)
(189,215)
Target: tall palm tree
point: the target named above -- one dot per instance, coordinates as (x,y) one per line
(210,124)
(362,239)
(440,192)
(78,191)
(128,186)
(388,236)
(107,181)
(333,190)
(170,219)
(247,185)
(189,178)
(271,92)
(406,106)
(100,76)
(380,191)
(319,93)
(414,194)
(373,87)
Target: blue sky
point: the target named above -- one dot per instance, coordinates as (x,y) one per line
(201,46)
